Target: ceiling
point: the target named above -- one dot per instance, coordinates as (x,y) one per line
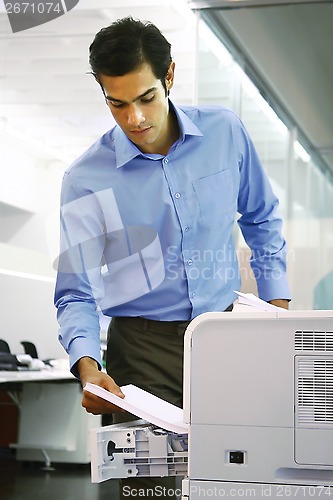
(48,100)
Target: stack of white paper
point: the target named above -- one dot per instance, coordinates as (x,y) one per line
(144,405)
(248,299)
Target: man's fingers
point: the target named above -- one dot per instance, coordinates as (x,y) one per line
(98,406)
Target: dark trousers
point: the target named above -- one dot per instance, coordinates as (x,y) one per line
(148,354)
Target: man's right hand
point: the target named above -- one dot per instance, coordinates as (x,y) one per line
(89,372)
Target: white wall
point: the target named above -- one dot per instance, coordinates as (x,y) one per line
(29,194)
(27,313)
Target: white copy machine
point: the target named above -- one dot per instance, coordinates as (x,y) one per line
(258,401)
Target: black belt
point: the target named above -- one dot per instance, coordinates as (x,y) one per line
(145,325)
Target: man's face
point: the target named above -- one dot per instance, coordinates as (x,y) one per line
(139,104)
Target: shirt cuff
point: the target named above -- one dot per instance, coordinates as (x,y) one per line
(272,289)
(81,347)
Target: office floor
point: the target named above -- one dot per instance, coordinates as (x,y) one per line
(27,481)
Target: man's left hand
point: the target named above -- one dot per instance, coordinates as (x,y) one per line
(280,303)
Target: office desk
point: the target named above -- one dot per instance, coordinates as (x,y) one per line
(53,426)
(35,376)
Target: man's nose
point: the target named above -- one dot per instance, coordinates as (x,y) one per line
(135,116)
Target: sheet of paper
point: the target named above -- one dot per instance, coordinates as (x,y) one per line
(252,300)
(144,405)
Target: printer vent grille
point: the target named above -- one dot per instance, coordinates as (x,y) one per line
(315,391)
(314,341)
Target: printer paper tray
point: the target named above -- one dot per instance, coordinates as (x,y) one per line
(136,449)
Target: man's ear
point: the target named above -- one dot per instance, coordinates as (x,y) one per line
(169,79)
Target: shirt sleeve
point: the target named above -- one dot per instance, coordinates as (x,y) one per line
(260,224)
(79,284)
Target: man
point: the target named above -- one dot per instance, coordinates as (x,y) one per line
(147,217)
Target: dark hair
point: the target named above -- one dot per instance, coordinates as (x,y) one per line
(121,47)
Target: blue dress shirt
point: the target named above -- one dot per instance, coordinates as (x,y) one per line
(151,235)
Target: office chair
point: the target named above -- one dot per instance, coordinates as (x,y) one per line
(30,348)
(4,347)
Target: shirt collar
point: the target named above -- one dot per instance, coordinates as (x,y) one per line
(187,127)
(125,149)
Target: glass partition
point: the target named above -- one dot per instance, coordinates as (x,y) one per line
(305,192)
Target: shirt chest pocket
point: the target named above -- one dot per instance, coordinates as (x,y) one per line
(216,198)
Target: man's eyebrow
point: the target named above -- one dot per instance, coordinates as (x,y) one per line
(110,98)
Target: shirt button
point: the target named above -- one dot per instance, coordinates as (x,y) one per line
(193,295)
(187,228)
(190,262)
(166,160)
(177,195)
